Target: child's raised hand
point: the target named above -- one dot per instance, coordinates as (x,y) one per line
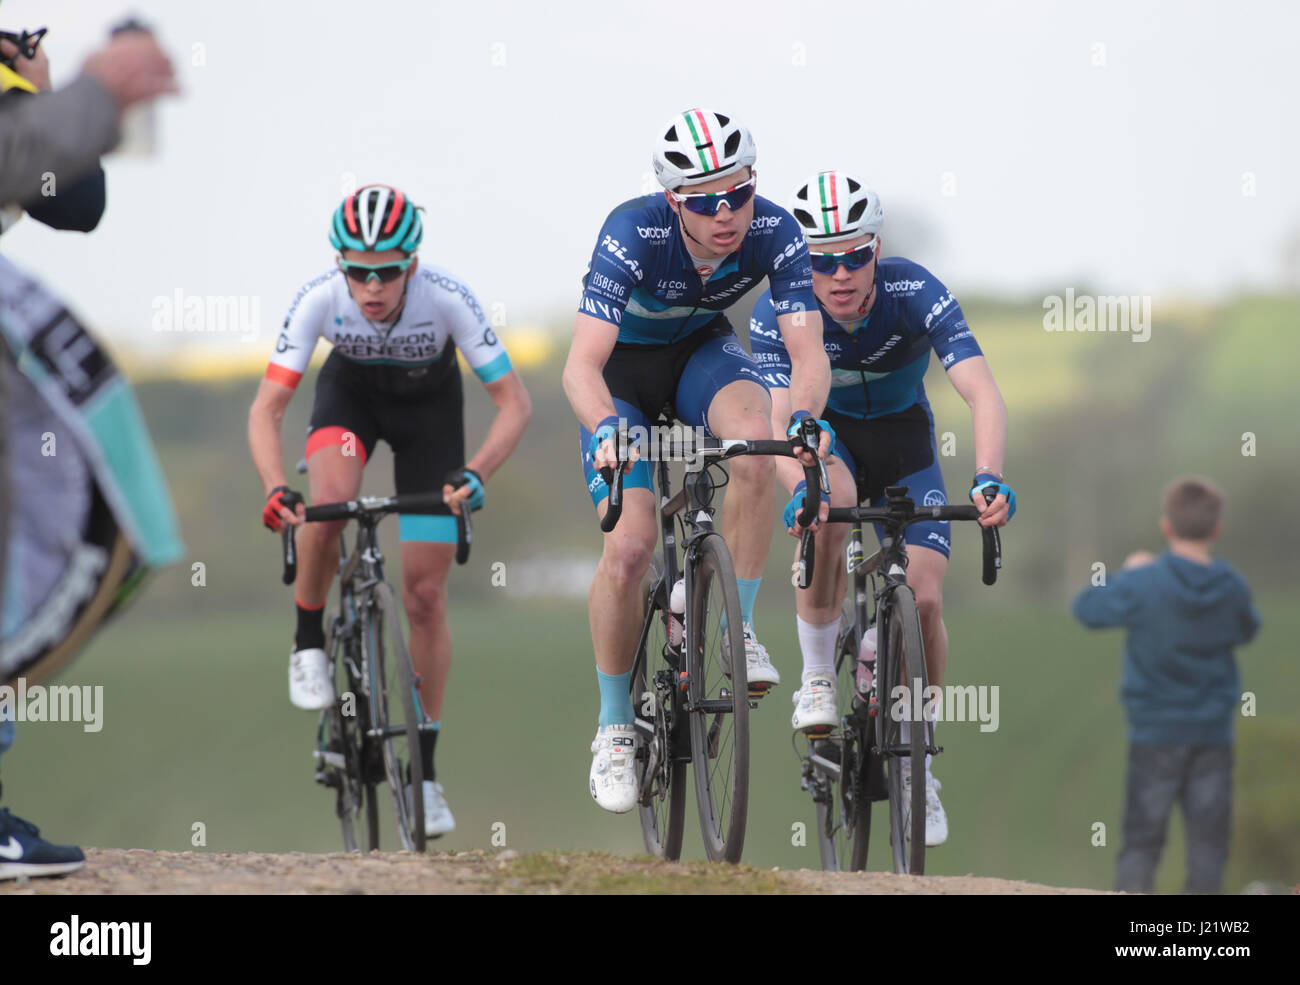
(1137,559)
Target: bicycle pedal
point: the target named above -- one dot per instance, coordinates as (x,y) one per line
(759,690)
(814,732)
(684,681)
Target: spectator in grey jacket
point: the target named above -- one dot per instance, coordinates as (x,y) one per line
(62,133)
(65,132)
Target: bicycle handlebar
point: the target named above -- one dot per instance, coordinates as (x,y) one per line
(721,450)
(903,513)
(374,507)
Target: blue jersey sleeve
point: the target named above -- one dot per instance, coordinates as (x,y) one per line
(790,271)
(934,307)
(615,269)
(766,344)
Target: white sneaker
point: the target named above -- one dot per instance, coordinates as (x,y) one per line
(613,768)
(310,686)
(758,664)
(936,821)
(437,815)
(814,706)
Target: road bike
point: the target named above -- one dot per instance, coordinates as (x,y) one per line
(689,681)
(371,733)
(864,759)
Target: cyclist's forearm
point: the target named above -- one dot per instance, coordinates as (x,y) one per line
(588,394)
(514,410)
(266,447)
(810,382)
(989,423)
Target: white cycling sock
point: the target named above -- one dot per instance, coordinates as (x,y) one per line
(905,736)
(817,643)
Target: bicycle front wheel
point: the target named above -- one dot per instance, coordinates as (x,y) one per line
(339,737)
(718,701)
(905,763)
(660,773)
(395,714)
(844,809)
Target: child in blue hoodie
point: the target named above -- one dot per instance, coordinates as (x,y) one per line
(1184,612)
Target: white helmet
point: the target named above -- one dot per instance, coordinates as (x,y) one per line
(832,207)
(700,145)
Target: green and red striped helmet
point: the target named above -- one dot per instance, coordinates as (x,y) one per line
(832,207)
(700,145)
(377,218)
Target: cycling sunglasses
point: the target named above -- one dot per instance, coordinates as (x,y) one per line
(386,273)
(855,259)
(708,203)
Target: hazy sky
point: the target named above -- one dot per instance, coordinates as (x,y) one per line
(1145,148)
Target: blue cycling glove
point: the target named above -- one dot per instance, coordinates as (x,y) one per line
(468,477)
(797,418)
(608,428)
(795,505)
(987,481)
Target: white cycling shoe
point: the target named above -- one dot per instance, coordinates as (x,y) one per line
(758,664)
(936,821)
(437,815)
(613,768)
(815,711)
(310,686)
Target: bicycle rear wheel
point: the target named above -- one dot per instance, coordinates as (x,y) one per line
(661,778)
(905,766)
(718,702)
(395,714)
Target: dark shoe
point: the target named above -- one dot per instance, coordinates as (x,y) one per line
(23,852)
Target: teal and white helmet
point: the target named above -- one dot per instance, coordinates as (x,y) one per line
(832,207)
(700,145)
(377,218)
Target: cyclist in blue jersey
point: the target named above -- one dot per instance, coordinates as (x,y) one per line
(881,318)
(651,333)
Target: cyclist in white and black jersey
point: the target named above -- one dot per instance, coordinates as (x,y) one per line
(395,326)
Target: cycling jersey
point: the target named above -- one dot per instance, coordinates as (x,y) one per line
(400,358)
(642,279)
(877,368)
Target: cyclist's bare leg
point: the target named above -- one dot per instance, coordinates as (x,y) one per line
(742,409)
(925,571)
(614,605)
(334,477)
(820,603)
(424,596)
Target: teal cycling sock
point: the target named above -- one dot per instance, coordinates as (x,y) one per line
(615,701)
(748,594)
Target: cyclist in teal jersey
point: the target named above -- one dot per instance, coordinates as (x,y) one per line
(882,319)
(651,331)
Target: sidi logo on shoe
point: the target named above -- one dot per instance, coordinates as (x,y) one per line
(102,939)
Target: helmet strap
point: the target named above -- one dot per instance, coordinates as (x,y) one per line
(871,294)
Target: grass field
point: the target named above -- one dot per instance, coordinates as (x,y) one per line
(198,729)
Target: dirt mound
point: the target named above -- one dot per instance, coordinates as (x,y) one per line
(111,871)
